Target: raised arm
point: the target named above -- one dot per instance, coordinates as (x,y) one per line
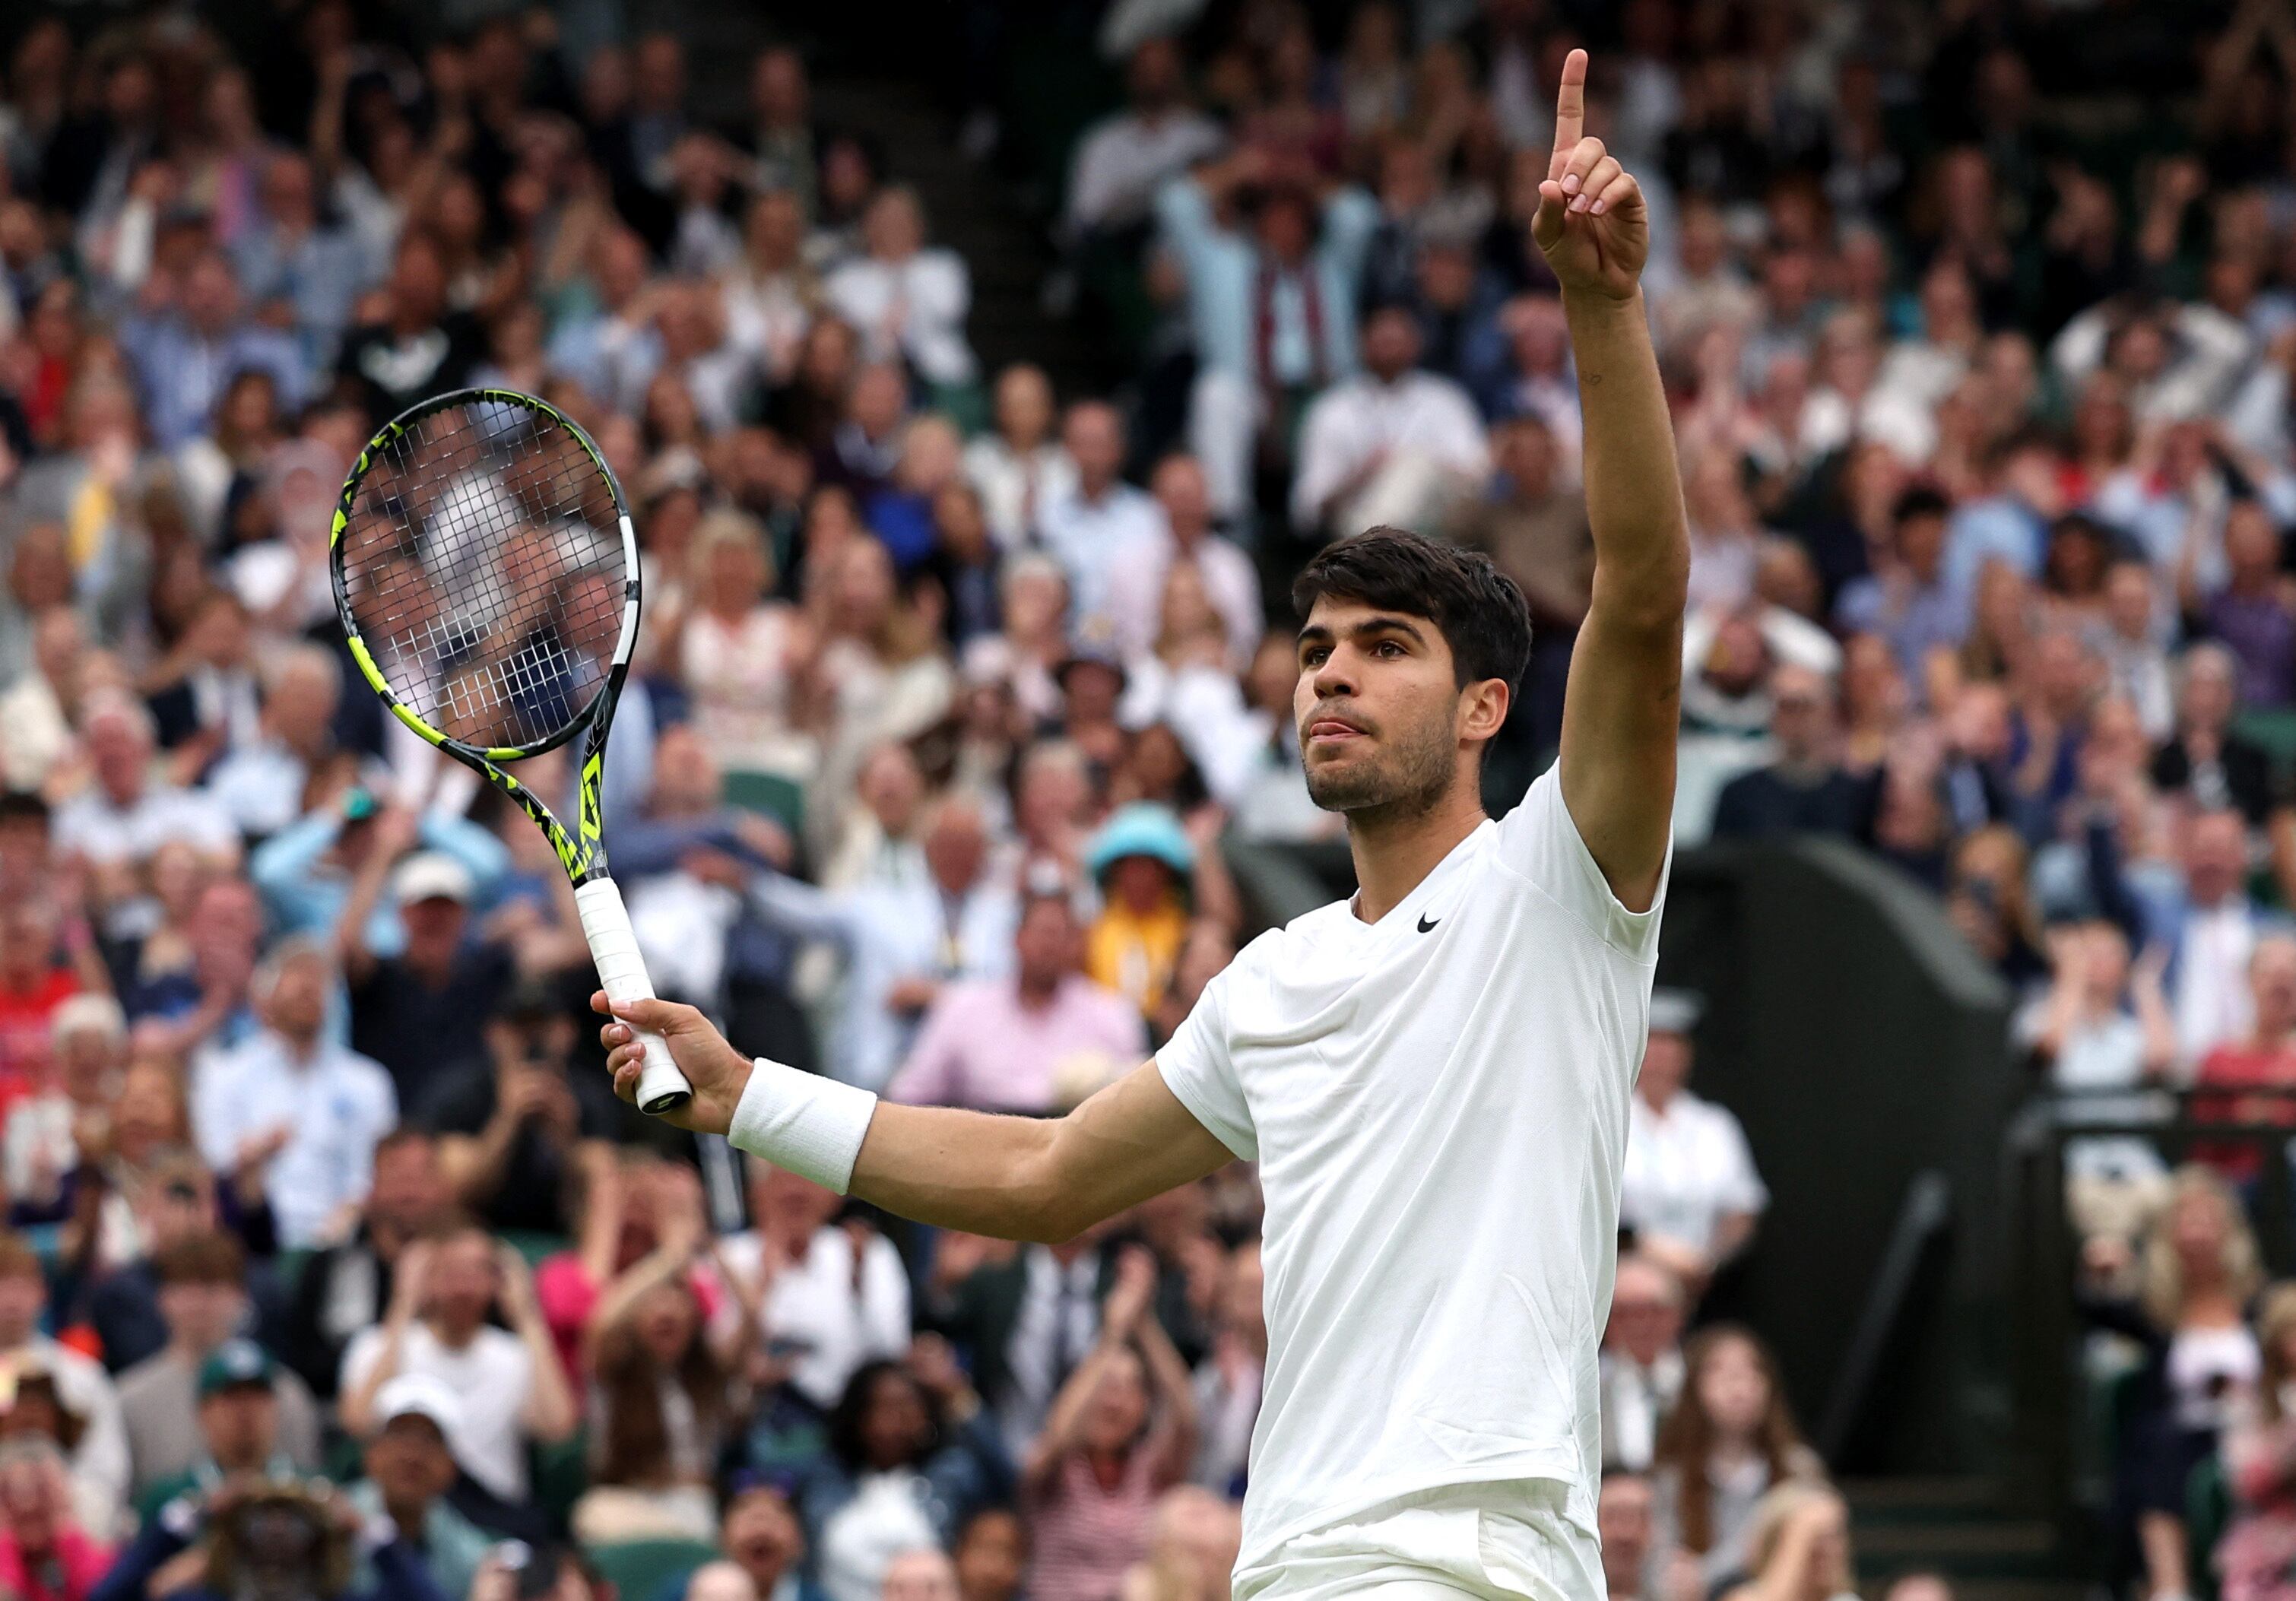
(1624,697)
(1012,1177)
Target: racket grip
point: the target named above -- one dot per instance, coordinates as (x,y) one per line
(622,972)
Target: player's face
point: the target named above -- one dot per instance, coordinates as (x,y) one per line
(1378,708)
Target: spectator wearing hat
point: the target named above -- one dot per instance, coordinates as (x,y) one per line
(306,870)
(163,1398)
(238,1428)
(1389,445)
(80,1395)
(509,1382)
(516,1133)
(1037,1041)
(1143,861)
(1690,1193)
(411,1011)
(409,1466)
(1092,523)
(293,1105)
(258,1536)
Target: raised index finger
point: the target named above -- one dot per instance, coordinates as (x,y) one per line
(1570,110)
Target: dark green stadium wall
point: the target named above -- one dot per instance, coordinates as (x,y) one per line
(1862,1043)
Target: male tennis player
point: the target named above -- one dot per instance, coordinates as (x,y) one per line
(1433,1075)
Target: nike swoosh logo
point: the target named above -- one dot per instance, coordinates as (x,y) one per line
(1427,922)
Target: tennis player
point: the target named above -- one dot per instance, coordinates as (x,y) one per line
(1433,1075)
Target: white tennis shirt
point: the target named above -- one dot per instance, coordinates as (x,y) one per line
(1437,1103)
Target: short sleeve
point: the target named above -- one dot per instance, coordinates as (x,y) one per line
(1742,1189)
(1539,840)
(1199,1070)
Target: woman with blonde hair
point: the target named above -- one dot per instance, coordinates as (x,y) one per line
(2196,1273)
(1798,1546)
(743,654)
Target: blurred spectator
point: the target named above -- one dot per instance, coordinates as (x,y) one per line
(1727,1444)
(1272,272)
(515,1135)
(2204,757)
(2214,927)
(1909,600)
(1799,1548)
(43,1130)
(2195,1272)
(1804,790)
(409,1466)
(411,1011)
(1641,1361)
(1148,869)
(77,1388)
(238,1429)
(1123,1430)
(902,942)
(1137,573)
(345,1288)
(1099,520)
(187,349)
(44,1553)
(2265,1060)
(829,1298)
(1192,1548)
(1623,1523)
(127,813)
(901,1475)
(293,1109)
(1017,466)
(1125,159)
(920,1575)
(285,1537)
(507,1382)
(1690,1194)
(1036,1042)
(758,1534)
(991,1556)
(1229,1378)
(909,300)
(164,1398)
(1392,445)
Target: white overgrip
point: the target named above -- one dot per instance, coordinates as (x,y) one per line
(622,972)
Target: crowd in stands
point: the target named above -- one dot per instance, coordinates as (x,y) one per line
(331,1255)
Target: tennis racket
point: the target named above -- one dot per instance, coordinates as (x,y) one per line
(487,576)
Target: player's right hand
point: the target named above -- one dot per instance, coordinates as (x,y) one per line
(718,1072)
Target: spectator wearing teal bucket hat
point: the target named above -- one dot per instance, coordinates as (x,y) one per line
(1143,860)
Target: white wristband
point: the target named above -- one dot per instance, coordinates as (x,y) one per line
(807,1124)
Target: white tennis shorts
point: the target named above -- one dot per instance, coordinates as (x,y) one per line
(1494,1542)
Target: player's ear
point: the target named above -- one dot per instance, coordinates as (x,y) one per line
(1483,709)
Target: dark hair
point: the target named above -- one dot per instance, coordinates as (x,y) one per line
(23,805)
(1920,501)
(208,1258)
(845,1436)
(634,1447)
(1479,611)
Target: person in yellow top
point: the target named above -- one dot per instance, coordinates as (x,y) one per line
(1142,859)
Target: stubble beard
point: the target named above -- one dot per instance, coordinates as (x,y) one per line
(1407,782)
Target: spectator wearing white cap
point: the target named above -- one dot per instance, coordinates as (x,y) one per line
(1689,1191)
(409,1466)
(412,1011)
(292,1105)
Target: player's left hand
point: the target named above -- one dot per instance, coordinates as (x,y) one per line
(1592,225)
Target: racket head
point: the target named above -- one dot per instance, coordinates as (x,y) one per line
(486,574)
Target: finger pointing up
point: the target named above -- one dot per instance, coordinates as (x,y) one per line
(1570,110)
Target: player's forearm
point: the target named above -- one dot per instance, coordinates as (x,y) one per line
(1634,489)
(971,1171)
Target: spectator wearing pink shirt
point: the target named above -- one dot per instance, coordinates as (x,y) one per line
(1038,1041)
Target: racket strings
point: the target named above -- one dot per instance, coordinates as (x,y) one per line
(483,563)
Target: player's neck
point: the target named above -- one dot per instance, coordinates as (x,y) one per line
(1394,853)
